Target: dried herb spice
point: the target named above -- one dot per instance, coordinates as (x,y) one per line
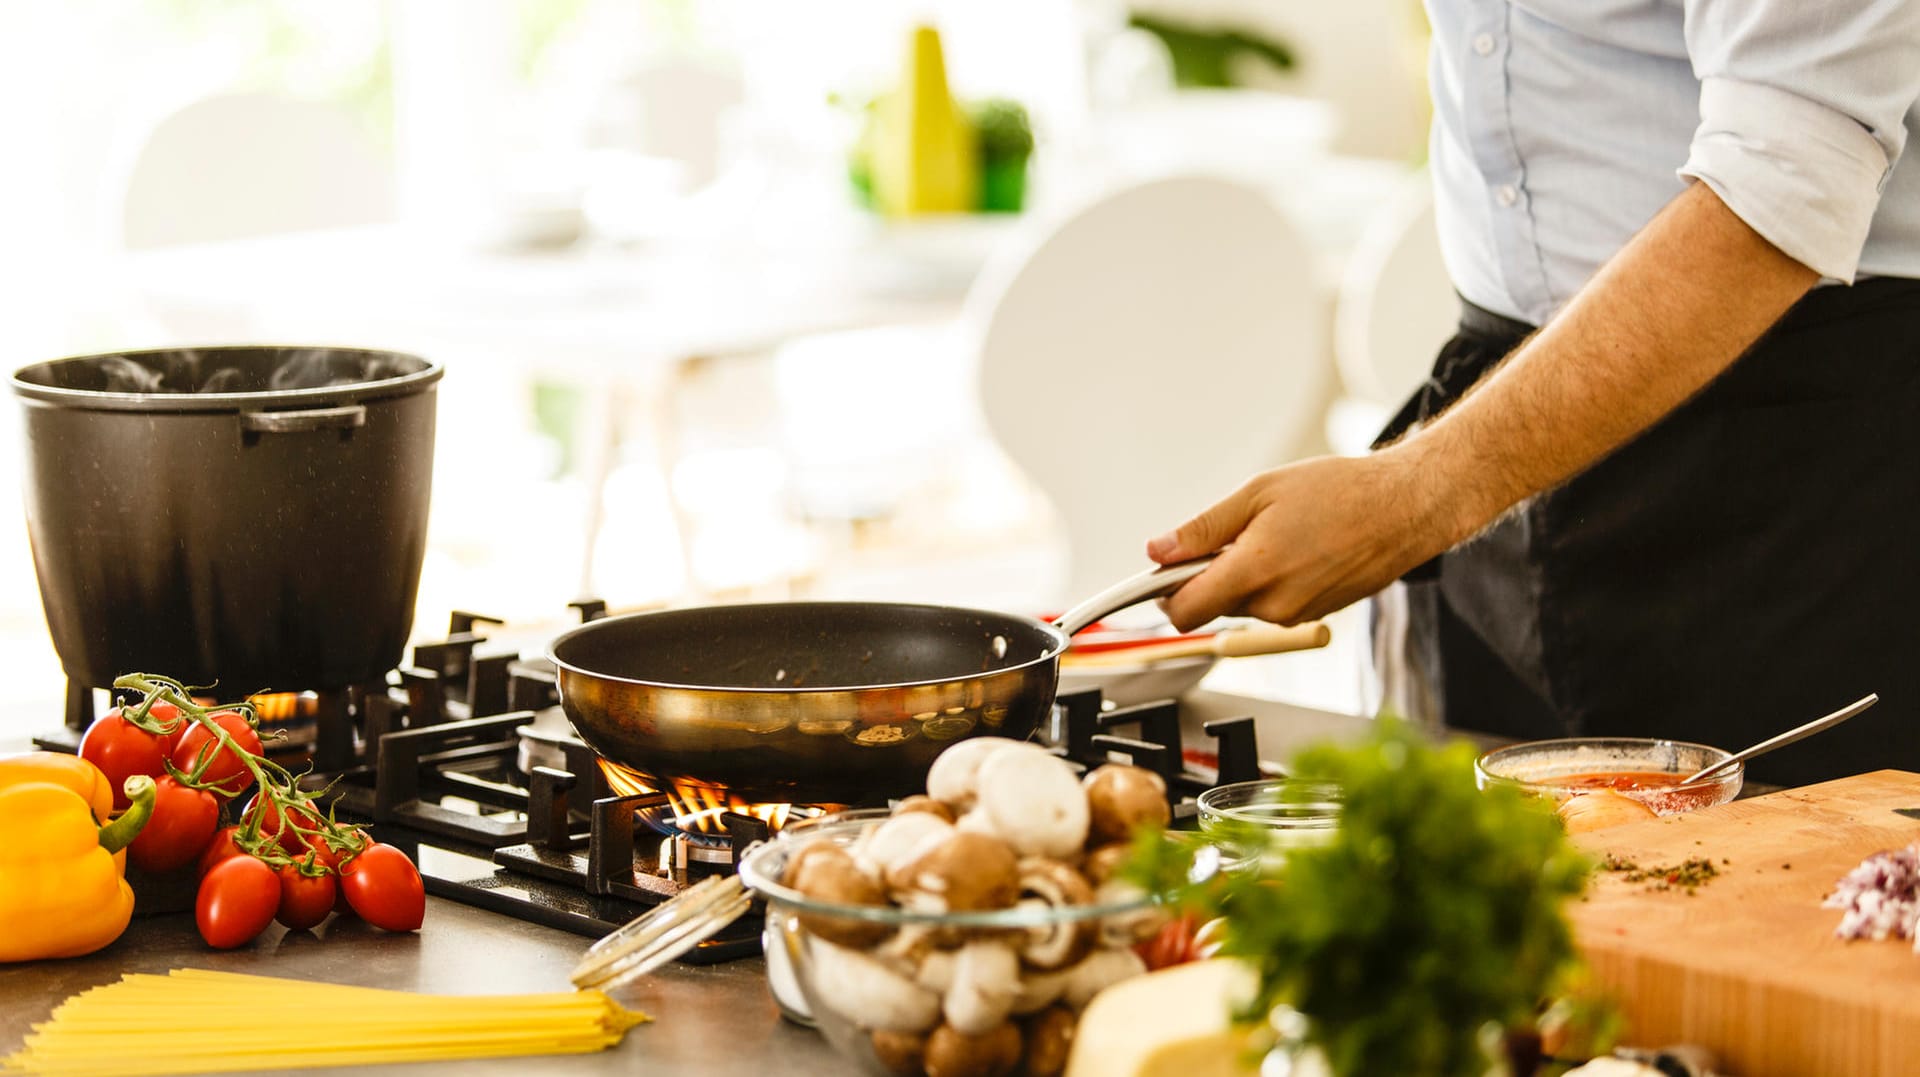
(1688,875)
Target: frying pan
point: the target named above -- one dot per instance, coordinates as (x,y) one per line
(818,702)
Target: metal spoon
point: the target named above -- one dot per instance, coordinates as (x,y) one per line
(1784,739)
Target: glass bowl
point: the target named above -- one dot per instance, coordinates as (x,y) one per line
(875,991)
(1291,812)
(1644,768)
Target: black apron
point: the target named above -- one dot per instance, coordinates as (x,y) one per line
(1747,564)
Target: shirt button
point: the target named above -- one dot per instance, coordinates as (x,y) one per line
(1507,193)
(1483,44)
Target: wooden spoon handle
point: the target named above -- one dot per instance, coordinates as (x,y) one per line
(1233,643)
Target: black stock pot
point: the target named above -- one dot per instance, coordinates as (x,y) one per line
(251,516)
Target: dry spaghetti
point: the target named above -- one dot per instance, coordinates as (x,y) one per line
(199,1021)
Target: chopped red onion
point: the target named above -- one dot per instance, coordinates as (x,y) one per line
(1881,897)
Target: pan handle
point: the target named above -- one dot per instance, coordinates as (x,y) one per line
(1152,583)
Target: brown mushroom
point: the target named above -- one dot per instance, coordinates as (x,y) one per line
(1059,943)
(923,803)
(1121,799)
(993,1053)
(827,873)
(956,873)
(1049,1039)
(903,1053)
(1104,862)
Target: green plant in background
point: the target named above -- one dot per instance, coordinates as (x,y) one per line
(1203,56)
(1430,927)
(1005,141)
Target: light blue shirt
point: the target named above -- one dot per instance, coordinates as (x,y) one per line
(1562,126)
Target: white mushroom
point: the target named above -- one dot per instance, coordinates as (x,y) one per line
(868,993)
(951,778)
(936,970)
(1101,970)
(1038,990)
(1050,884)
(1123,929)
(893,841)
(986,977)
(1034,801)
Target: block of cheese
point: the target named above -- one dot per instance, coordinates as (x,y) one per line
(1177,1022)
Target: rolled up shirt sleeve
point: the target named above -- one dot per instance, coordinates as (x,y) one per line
(1803,108)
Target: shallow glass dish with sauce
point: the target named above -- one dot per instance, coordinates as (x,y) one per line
(1647,769)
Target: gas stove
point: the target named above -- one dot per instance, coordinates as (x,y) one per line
(465,760)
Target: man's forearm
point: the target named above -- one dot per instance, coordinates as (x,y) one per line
(1664,317)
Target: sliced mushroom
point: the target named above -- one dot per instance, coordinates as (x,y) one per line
(1052,884)
(986,977)
(1101,970)
(1034,801)
(1122,929)
(993,1053)
(956,873)
(923,803)
(893,841)
(951,778)
(1038,990)
(827,873)
(1120,799)
(1104,862)
(1049,1040)
(868,993)
(901,1053)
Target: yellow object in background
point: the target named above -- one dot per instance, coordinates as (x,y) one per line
(924,156)
(61,888)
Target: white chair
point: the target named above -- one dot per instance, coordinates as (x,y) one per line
(1395,309)
(1147,355)
(239,165)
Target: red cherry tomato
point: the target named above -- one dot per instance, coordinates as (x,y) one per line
(183,823)
(227,773)
(305,900)
(121,749)
(165,713)
(1172,945)
(237,901)
(384,887)
(272,826)
(218,849)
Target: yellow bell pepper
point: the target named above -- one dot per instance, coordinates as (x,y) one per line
(61,888)
(60,768)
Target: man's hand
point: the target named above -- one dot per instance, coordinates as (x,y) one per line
(1672,310)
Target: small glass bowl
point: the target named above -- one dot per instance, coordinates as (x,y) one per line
(1546,767)
(880,1031)
(1293,813)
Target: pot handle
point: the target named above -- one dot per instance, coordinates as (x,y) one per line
(1135,589)
(349,417)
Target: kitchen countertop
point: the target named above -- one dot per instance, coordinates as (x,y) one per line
(716,1019)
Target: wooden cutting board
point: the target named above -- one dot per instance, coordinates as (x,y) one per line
(1748,964)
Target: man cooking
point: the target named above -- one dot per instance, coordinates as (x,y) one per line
(1688,503)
